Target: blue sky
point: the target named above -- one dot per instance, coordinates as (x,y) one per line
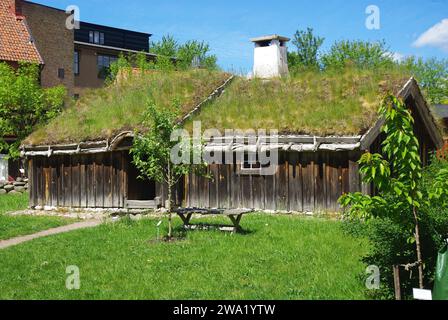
(410,27)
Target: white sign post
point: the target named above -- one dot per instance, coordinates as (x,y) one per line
(420,294)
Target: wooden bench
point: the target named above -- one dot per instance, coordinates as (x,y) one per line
(145,204)
(234,215)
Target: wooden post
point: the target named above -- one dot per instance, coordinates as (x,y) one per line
(397,282)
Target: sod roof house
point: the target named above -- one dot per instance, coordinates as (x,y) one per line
(323,122)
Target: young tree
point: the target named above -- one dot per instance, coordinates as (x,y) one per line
(359,54)
(153,152)
(307,49)
(24,104)
(397,177)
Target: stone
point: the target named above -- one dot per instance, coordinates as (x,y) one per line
(19,189)
(26,186)
(19,179)
(19,184)
(8,187)
(3,191)
(13,192)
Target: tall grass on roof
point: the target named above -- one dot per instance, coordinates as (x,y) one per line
(318,103)
(103,113)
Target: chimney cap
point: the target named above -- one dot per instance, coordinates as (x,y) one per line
(269,38)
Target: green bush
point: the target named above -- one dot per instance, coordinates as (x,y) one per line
(390,243)
(24,104)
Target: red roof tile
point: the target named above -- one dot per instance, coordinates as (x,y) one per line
(15,39)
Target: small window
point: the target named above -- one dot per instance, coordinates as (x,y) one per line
(96,37)
(61,73)
(251,165)
(103,64)
(76,63)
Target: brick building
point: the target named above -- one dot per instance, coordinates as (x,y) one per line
(77,59)
(96,47)
(54,42)
(16,41)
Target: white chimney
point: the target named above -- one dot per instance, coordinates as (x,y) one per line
(270,57)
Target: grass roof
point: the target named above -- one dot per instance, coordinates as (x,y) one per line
(330,103)
(104,113)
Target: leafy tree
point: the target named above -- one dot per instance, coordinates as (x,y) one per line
(432,75)
(360,54)
(24,104)
(192,53)
(167,47)
(152,152)
(398,178)
(307,49)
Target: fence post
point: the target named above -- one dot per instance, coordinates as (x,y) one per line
(397,282)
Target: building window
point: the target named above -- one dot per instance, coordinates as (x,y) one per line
(103,64)
(61,73)
(251,165)
(76,63)
(96,37)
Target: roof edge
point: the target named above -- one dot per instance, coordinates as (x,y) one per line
(410,89)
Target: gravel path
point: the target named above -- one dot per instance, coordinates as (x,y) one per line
(71,227)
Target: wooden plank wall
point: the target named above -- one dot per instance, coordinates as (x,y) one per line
(304,182)
(79,181)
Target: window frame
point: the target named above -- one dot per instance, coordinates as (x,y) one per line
(102,67)
(76,63)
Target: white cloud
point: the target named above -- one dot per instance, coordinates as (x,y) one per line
(436,36)
(396,56)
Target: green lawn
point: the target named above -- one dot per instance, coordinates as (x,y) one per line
(280,257)
(13,226)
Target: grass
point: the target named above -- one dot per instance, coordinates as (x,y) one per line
(10,203)
(13,226)
(280,257)
(104,113)
(327,103)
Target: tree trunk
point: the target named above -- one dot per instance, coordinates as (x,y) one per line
(170,218)
(419,250)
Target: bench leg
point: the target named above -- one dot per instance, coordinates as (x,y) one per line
(185,219)
(236,222)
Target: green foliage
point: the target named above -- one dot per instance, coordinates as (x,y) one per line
(122,64)
(393,226)
(432,75)
(192,53)
(24,105)
(331,102)
(307,49)
(152,151)
(395,177)
(167,47)
(104,113)
(361,54)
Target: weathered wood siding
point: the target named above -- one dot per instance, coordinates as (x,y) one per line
(79,181)
(303,182)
